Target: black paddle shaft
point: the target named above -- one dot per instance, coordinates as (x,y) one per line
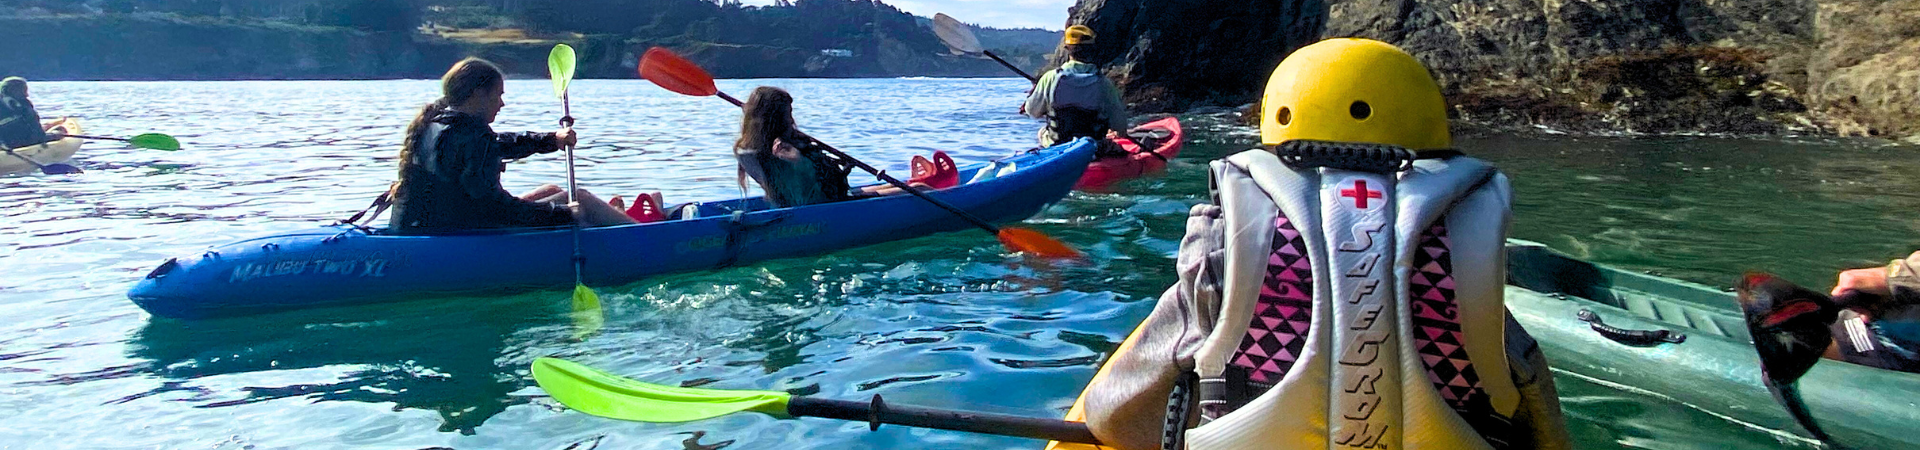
(1023,73)
(877,412)
(884,177)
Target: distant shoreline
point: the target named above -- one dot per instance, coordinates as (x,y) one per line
(166,47)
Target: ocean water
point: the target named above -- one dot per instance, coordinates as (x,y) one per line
(947,320)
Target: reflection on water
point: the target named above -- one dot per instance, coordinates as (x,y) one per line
(946,320)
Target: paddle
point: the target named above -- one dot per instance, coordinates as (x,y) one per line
(611,396)
(670,71)
(150,141)
(586,304)
(960,38)
(1790,329)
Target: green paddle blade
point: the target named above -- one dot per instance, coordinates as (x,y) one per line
(155,141)
(592,391)
(560,67)
(587,318)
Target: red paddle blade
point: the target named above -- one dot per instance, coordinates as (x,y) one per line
(674,73)
(1025,240)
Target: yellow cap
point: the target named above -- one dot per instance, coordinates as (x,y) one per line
(1354,90)
(1078,34)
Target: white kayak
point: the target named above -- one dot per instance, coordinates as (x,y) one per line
(49,153)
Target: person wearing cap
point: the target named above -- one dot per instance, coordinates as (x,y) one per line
(1075,99)
(1343,287)
(19,123)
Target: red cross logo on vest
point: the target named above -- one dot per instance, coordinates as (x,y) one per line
(1360,194)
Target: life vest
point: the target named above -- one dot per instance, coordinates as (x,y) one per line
(1361,304)
(1078,100)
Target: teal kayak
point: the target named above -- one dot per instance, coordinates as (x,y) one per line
(1713,368)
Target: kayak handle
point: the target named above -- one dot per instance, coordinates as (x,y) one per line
(1637,338)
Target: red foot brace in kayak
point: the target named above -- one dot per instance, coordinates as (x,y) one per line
(939,173)
(646,209)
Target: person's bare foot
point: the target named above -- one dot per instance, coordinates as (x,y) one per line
(618,203)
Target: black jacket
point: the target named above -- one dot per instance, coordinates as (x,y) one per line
(19,123)
(451,182)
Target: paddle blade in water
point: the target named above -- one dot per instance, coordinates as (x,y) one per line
(674,73)
(560,67)
(59,169)
(1025,240)
(587,315)
(955,34)
(607,395)
(155,141)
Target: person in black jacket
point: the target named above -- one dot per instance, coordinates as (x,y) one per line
(20,124)
(450,166)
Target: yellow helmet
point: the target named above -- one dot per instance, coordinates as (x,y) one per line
(1354,90)
(1077,34)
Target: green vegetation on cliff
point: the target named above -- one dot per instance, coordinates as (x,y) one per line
(279,39)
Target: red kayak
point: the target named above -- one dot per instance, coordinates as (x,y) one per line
(1164,138)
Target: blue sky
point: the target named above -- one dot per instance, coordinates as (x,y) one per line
(1048,14)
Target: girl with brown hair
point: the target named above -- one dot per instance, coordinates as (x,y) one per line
(451,164)
(791,170)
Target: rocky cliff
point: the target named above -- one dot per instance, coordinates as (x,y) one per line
(1655,66)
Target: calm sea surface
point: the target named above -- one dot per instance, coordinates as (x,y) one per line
(945,320)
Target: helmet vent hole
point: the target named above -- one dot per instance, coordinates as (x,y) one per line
(1360,110)
(1284,116)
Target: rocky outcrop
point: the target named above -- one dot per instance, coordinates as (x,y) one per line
(1867,67)
(1175,54)
(1654,66)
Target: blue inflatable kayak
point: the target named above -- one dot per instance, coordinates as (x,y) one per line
(344,265)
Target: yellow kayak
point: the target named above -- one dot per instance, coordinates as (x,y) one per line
(48,153)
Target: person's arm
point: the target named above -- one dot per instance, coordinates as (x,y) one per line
(1126,405)
(521,145)
(1881,280)
(1901,274)
(1039,102)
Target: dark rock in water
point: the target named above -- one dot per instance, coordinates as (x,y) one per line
(1173,55)
(1660,66)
